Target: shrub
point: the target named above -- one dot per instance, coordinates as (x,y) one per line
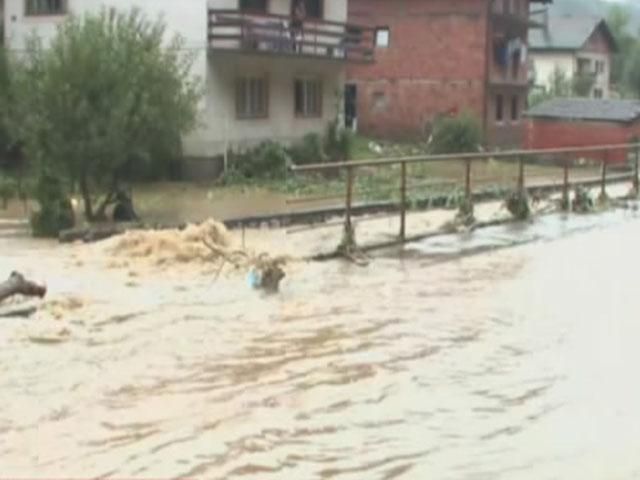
(309,150)
(461,134)
(56,211)
(268,160)
(339,144)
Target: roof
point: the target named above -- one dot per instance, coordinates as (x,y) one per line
(588,109)
(569,33)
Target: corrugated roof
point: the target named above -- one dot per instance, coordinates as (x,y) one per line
(563,33)
(588,109)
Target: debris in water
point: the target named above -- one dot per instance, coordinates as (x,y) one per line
(18,285)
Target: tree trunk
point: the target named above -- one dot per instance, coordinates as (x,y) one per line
(18,285)
(86,197)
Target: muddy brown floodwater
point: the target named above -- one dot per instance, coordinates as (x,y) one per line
(455,361)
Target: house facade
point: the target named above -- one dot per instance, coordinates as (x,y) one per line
(441,57)
(262,80)
(578,47)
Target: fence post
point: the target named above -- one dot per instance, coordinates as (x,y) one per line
(349,199)
(636,172)
(520,175)
(467,180)
(565,185)
(603,181)
(403,200)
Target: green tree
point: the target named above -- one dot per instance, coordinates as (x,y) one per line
(618,21)
(632,72)
(109,95)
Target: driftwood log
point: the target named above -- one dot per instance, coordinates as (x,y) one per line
(18,285)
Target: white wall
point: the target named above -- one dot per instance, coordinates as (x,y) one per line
(546,63)
(223,129)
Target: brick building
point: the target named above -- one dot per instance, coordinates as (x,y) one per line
(437,57)
(582,122)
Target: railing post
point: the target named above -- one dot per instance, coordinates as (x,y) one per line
(467,180)
(403,200)
(565,185)
(603,181)
(636,171)
(349,199)
(520,175)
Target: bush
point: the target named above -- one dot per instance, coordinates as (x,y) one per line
(309,150)
(56,211)
(269,160)
(461,134)
(339,144)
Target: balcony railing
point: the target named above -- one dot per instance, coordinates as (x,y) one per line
(233,30)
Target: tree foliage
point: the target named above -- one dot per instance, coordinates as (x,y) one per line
(109,95)
(560,85)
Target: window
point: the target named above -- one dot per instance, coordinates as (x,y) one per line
(515,111)
(599,66)
(383,37)
(45,7)
(308,98)
(312,8)
(252,97)
(597,93)
(499,108)
(259,6)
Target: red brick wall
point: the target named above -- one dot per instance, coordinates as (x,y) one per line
(436,63)
(543,133)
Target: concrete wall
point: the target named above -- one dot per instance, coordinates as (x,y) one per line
(545,63)
(548,133)
(225,130)
(435,63)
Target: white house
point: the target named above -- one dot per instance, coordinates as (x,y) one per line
(575,45)
(264,79)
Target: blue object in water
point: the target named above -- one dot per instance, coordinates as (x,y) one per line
(254,278)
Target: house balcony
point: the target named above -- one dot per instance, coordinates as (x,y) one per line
(238,32)
(513,23)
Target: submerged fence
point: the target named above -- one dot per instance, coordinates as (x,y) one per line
(596,165)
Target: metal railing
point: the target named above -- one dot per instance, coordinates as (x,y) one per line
(236,30)
(562,160)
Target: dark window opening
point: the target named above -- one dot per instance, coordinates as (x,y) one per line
(259,6)
(499,108)
(312,8)
(308,98)
(45,7)
(252,97)
(515,111)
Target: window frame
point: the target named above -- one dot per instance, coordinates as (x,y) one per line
(515,109)
(35,13)
(247,113)
(305,82)
(499,108)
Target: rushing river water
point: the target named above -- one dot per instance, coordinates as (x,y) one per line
(456,361)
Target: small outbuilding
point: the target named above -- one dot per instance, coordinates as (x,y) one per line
(584,122)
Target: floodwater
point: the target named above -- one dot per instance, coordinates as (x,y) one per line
(459,360)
